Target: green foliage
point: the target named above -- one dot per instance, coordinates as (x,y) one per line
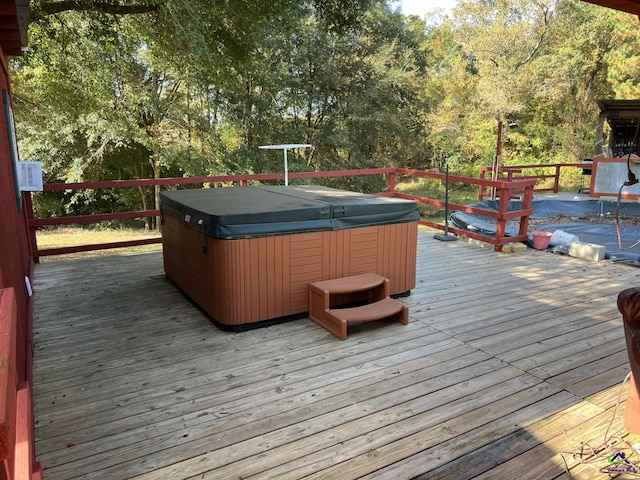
(624,70)
(541,64)
(122,89)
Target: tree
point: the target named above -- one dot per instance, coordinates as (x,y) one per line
(354,96)
(111,101)
(624,70)
(541,64)
(144,88)
(566,78)
(132,85)
(41,8)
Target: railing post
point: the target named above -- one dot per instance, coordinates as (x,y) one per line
(503,208)
(481,187)
(391,182)
(29,216)
(527,200)
(556,179)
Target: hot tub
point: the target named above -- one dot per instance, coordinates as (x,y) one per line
(246,255)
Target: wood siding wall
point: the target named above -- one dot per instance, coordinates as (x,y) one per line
(15,261)
(250,280)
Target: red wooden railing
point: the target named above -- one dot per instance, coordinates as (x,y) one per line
(512,173)
(16,399)
(33,223)
(505,189)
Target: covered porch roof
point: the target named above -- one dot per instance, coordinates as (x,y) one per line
(14,20)
(629,6)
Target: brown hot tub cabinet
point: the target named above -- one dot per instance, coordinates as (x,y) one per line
(246,255)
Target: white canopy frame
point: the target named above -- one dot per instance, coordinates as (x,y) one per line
(285,147)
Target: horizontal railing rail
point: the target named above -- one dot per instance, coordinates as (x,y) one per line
(502,216)
(243,180)
(518,173)
(505,188)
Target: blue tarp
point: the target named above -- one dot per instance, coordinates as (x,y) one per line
(592,221)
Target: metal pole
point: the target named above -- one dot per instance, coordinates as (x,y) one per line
(446,237)
(286,168)
(285,147)
(496,161)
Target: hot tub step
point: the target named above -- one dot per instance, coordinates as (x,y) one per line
(329,302)
(354,283)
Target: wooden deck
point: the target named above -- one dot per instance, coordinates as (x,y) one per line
(510,363)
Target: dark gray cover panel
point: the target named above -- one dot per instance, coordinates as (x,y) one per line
(240,212)
(353,209)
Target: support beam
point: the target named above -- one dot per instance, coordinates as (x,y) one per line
(629,6)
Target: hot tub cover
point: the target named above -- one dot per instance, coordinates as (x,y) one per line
(241,212)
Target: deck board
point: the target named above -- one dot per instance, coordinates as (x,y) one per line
(508,361)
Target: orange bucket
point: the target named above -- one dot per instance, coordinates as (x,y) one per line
(541,239)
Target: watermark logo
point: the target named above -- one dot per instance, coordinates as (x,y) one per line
(619,463)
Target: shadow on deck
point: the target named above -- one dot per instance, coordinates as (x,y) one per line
(508,361)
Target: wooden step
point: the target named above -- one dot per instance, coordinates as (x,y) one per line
(351,284)
(384,308)
(336,320)
(345,291)
(330,300)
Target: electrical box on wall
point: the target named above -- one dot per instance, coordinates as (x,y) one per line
(30,176)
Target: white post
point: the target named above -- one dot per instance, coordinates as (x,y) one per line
(286,168)
(285,147)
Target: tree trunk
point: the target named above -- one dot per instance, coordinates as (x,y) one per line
(147,220)
(143,197)
(154,160)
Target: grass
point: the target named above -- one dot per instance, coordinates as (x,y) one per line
(435,189)
(428,188)
(71,236)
